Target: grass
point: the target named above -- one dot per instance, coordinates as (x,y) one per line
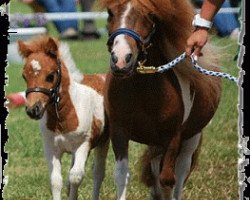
(215,177)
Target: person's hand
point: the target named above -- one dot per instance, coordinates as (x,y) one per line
(196,41)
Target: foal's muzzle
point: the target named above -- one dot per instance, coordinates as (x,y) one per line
(35,111)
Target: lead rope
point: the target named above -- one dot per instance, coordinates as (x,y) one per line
(173,63)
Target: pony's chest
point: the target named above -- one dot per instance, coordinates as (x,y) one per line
(138,102)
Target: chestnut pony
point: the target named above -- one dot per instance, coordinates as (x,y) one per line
(70,109)
(166,111)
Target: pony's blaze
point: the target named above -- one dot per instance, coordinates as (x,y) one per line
(121,52)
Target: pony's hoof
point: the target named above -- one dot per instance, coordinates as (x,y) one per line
(168,181)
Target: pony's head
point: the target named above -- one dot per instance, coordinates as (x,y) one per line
(134,25)
(42,74)
(130,34)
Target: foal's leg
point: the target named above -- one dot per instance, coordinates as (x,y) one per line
(68,183)
(101,152)
(184,162)
(120,147)
(77,171)
(53,157)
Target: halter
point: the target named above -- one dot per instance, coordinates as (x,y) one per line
(136,36)
(53,92)
(163,68)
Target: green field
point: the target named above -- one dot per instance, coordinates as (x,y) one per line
(215,177)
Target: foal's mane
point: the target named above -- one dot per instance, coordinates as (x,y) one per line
(39,44)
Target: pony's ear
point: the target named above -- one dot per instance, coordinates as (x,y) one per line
(24,49)
(51,47)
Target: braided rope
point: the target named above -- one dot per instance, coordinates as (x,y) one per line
(173,63)
(213,73)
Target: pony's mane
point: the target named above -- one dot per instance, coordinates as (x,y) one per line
(175,18)
(38,44)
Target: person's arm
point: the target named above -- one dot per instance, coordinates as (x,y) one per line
(210,8)
(200,36)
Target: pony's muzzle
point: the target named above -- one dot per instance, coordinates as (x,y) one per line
(35,111)
(121,68)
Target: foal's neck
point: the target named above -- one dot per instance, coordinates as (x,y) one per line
(67,120)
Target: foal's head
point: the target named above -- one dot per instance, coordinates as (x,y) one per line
(130,33)
(40,73)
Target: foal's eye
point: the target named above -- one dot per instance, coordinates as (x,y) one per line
(50,77)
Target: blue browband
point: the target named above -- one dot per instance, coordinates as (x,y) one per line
(130,33)
(125,31)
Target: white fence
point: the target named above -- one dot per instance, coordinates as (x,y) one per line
(98,15)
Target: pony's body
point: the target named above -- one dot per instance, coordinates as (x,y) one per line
(80,123)
(148,117)
(165,111)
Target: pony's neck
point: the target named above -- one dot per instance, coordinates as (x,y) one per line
(67,120)
(164,46)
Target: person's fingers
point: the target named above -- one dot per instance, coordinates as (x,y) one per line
(197,51)
(189,51)
(189,48)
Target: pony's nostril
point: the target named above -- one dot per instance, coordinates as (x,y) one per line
(114,58)
(128,57)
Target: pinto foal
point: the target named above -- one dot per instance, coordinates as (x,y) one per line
(167,111)
(70,109)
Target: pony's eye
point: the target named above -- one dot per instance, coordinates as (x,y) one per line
(50,77)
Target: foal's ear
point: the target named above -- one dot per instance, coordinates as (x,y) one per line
(24,49)
(51,47)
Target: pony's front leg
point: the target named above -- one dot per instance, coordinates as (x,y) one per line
(101,152)
(185,162)
(167,175)
(155,193)
(77,171)
(121,174)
